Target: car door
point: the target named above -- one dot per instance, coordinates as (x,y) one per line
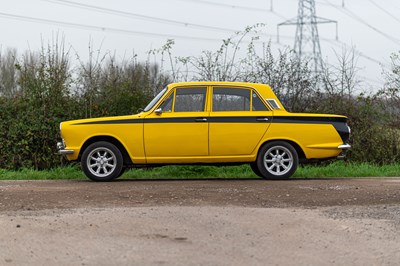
(177,130)
(238,120)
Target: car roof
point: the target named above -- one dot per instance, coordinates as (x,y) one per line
(211,83)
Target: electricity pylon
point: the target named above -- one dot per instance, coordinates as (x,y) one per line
(306,43)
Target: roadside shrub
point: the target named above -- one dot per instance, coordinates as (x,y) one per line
(40,89)
(373,117)
(49,91)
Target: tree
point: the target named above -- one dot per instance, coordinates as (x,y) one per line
(8,75)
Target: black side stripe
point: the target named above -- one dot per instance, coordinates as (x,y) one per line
(108,122)
(238,119)
(308,119)
(231,119)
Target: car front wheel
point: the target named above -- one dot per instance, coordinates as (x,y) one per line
(277,160)
(102,161)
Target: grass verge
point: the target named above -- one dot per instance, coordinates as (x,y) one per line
(333,170)
(69,172)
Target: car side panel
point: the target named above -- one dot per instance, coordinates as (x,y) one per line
(236,133)
(316,140)
(130,135)
(175,135)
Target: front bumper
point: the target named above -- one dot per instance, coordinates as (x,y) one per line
(61,149)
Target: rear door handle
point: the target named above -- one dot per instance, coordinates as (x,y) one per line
(202,119)
(262,119)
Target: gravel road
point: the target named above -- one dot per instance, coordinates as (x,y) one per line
(201,222)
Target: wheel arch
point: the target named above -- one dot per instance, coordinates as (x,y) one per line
(116,142)
(296,146)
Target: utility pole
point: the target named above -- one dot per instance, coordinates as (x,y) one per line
(306,44)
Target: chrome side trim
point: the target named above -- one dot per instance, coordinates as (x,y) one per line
(344,146)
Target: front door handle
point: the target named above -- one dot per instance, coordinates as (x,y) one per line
(202,119)
(262,119)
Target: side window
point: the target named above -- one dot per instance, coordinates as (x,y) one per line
(166,106)
(190,100)
(257,104)
(273,103)
(230,99)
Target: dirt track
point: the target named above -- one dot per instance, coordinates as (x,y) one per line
(200,222)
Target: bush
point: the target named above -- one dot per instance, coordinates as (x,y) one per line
(50,92)
(41,89)
(373,117)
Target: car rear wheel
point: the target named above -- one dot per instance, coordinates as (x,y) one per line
(277,160)
(102,161)
(122,171)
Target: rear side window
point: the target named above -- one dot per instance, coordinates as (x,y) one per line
(230,99)
(257,104)
(236,99)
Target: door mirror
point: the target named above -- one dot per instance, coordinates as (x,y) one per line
(158,111)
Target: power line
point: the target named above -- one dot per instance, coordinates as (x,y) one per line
(341,44)
(393,5)
(354,16)
(112,30)
(102,29)
(148,34)
(150,18)
(137,16)
(254,9)
(385,11)
(388,36)
(163,20)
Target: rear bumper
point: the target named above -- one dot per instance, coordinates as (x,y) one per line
(344,148)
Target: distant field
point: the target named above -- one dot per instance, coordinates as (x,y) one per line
(336,169)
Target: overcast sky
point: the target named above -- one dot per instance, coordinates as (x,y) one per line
(132,26)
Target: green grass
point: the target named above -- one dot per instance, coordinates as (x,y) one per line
(333,170)
(342,169)
(70,172)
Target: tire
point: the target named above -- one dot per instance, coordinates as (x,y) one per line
(102,161)
(122,171)
(254,167)
(277,160)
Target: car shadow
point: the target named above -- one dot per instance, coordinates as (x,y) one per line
(184,179)
(227,179)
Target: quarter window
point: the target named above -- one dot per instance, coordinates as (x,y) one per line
(273,103)
(257,104)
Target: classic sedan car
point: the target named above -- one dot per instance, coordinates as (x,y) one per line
(205,123)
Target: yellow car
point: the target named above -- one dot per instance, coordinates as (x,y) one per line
(205,123)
